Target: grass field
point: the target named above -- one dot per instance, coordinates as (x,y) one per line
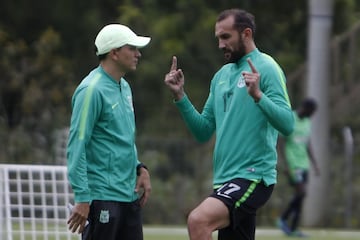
(180,233)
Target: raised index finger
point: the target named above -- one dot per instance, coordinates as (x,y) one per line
(253,69)
(174,64)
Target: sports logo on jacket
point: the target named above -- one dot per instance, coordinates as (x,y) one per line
(129,98)
(241,82)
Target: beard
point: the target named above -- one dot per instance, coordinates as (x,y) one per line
(232,56)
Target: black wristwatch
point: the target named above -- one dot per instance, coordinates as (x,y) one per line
(140,165)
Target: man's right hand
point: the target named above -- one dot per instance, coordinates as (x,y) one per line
(175,80)
(78,217)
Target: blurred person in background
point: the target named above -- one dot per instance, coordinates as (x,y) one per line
(247,106)
(110,184)
(296,151)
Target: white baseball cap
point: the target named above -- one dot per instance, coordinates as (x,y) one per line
(116,35)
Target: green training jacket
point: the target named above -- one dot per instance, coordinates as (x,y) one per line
(246,132)
(101,151)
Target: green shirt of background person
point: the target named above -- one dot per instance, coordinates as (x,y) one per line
(297,148)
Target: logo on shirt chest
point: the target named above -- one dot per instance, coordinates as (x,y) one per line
(129,98)
(241,82)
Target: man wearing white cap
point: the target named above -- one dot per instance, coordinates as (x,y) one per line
(110,184)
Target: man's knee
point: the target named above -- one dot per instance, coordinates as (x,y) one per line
(194,219)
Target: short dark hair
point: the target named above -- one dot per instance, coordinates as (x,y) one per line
(242,19)
(309,103)
(102,56)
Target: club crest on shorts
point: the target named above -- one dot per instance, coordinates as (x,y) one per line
(104,216)
(241,81)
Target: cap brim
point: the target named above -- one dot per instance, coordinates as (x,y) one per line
(139,41)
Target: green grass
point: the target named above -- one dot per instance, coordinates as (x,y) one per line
(179,233)
(164,237)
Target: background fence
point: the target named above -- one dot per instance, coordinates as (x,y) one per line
(33,202)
